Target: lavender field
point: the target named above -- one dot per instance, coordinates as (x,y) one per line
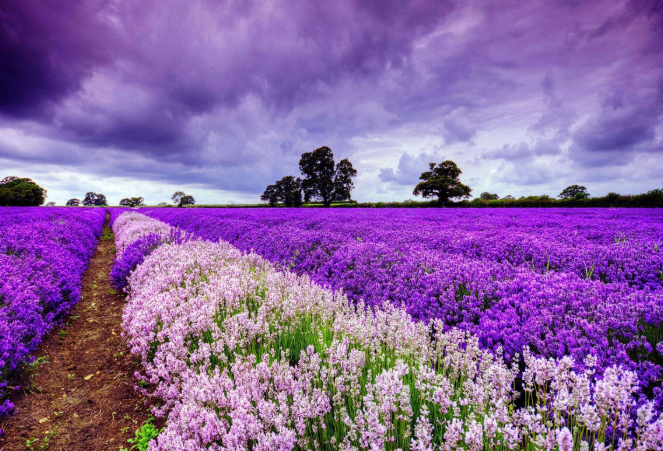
(561,282)
(43,254)
(349,225)
(392,329)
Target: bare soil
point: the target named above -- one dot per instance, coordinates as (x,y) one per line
(80,394)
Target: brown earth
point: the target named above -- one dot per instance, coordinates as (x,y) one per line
(80,395)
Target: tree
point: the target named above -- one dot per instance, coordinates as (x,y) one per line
(187,200)
(100,201)
(21,192)
(73,203)
(323,179)
(270,195)
(442,181)
(89,199)
(343,184)
(318,170)
(50,204)
(132,202)
(287,191)
(181,199)
(162,204)
(574,192)
(488,196)
(177,197)
(612,197)
(8,179)
(94,200)
(290,191)
(508,197)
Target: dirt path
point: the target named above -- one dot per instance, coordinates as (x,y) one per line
(79,395)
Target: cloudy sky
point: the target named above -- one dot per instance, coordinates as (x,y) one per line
(219,98)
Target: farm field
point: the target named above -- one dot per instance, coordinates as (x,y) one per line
(561,282)
(561,303)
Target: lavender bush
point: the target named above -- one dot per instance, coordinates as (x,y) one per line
(244,356)
(43,254)
(132,256)
(136,236)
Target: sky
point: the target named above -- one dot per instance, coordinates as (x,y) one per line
(220,98)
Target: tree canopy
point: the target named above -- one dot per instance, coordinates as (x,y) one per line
(343,184)
(287,191)
(187,200)
(574,192)
(73,203)
(21,192)
(94,200)
(488,196)
(180,198)
(442,181)
(323,179)
(132,202)
(177,197)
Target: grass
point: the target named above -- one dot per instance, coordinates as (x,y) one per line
(141,441)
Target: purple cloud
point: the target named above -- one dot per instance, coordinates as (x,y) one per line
(523,151)
(409,169)
(625,124)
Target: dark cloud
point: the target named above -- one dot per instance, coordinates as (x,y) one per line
(626,123)
(525,173)
(556,116)
(47,49)
(458,128)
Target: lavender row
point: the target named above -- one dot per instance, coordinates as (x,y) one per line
(244,356)
(136,236)
(43,254)
(581,282)
(606,245)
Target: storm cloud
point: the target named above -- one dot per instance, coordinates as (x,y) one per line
(223,96)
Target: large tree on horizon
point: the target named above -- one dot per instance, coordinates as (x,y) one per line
(323,179)
(343,184)
(442,181)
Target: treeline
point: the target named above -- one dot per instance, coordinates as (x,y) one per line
(650,199)
(325,183)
